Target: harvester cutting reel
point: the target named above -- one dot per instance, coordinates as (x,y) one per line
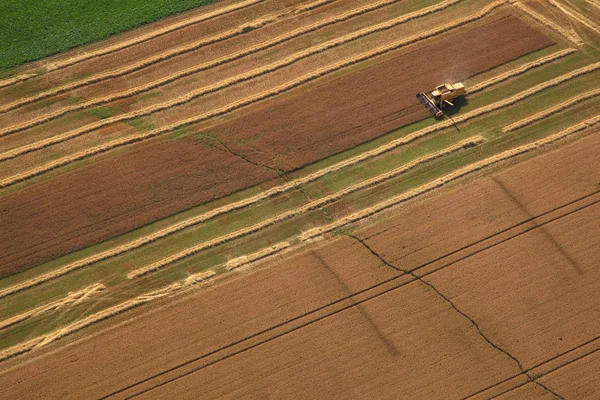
(442,96)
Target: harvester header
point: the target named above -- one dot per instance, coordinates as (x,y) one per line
(441,96)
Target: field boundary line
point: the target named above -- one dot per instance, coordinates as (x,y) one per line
(86,55)
(243,102)
(520,70)
(71,298)
(223,60)
(573,37)
(136,66)
(444,180)
(551,110)
(575,15)
(282,188)
(467,143)
(46,339)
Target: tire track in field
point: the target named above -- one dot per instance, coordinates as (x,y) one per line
(506,155)
(201,67)
(136,66)
(245,101)
(257,72)
(570,35)
(182,225)
(278,189)
(551,110)
(71,298)
(313,205)
(131,42)
(46,339)
(351,299)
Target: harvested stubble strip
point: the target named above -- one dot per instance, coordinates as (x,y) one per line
(243,260)
(520,70)
(279,189)
(210,64)
(44,340)
(71,298)
(552,110)
(303,209)
(245,101)
(575,15)
(569,35)
(449,178)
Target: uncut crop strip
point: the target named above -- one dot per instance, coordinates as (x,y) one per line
(518,71)
(571,36)
(508,154)
(575,15)
(283,188)
(245,101)
(71,298)
(148,61)
(207,65)
(552,110)
(214,87)
(44,340)
(302,209)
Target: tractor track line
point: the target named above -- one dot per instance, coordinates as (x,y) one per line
(223,60)
(315,204)
(273,191)
(136,66)
(350,297)
(204,217)
(551,110)
(570,36)
(538,374)
(131,42)
(242,102)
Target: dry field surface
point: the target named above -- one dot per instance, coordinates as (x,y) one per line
(342,320)
(248,201)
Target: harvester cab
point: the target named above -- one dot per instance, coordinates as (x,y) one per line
(441,96)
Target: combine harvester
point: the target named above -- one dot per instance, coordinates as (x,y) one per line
(441,96)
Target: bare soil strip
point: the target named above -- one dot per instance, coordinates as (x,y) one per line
(207,65)
(450,177)
(575,15)
(516,71)
(242,102)
(44,340)
(71,298)
(303,209)
(571,35)
(282,188)
(552,110)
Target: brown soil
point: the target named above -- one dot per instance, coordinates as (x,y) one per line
(76,209)
(522,294)
(295,131)
(355,108)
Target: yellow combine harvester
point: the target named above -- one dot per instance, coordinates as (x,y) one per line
(441,96)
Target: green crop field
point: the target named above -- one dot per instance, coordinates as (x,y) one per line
(33,29)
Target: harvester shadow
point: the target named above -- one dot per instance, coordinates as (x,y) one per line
(390,347)
(451,111)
